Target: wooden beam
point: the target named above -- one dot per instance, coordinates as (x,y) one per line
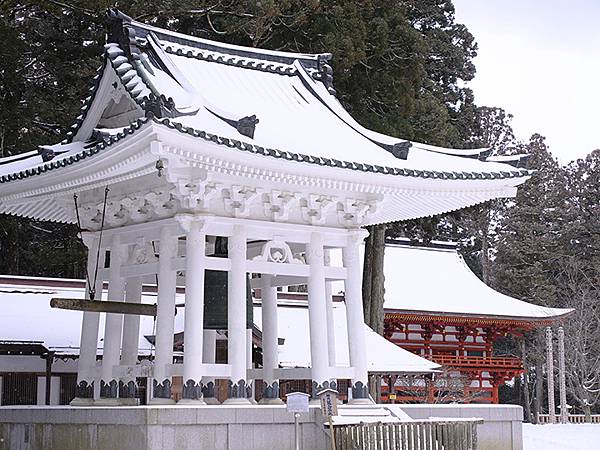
(76,304)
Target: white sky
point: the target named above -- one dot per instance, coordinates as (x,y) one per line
(540,61)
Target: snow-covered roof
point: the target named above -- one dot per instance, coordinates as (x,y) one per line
(169,73)
(436,281)
(260,108)
(382,357)
(27,315)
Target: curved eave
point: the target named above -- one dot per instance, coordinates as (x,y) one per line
(273,153)
(75,157)
(418,316)
(87,103)
(404,194)
(349,165)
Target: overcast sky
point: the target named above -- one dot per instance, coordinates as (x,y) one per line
(540,61)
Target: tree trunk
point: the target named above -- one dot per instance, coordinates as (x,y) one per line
(367,275)
(485,246)
(373,291)
(377,280)
(587,411)
(9,242)
(539,390)
(526,399)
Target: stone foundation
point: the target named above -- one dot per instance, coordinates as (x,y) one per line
(157,428)
(220,427)
(502,427)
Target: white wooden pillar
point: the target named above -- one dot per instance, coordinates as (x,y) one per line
(131,335)
(87,370)
(317,315)
(268,295)
(209,351)
(355,318)
(250,365)
(113,326)
(165,317)
(550,374)
(238,391)
(194,310)
(330,318)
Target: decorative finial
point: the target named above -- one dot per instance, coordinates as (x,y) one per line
(160,166)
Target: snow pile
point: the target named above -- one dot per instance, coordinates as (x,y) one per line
(561,437)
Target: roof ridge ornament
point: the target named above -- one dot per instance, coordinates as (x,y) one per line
(400,149)
(247,125)
(46,153)
(158,106)
(119,32)
(324,72)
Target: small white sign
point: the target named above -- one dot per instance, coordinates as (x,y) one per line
(297,402)
(328,399)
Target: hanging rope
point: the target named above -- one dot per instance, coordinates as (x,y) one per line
(92,286)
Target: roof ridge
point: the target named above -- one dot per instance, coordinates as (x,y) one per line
(231,60)
(115,15)
(130,35)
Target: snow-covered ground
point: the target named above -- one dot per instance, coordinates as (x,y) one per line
(561,437)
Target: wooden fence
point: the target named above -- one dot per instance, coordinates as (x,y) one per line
(571,418)
(418,435)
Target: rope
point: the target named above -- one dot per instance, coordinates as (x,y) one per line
(92,287)
(106,191)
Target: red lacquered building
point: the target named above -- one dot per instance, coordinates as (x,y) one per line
(436,307)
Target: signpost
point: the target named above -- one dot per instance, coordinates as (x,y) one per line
(329,409)
(297,402)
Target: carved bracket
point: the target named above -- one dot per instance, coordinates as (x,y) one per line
(133,208)
(195,195)
(353,213)
(238,199)
(314,208)
(276,204)
(277,251)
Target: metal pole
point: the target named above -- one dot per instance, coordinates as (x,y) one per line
(296,431)
(49,361)
(561,376)
(550,374)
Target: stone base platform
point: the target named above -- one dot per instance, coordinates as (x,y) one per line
(222,427)
(502,427)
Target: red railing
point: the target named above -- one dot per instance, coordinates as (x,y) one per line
(476,361)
